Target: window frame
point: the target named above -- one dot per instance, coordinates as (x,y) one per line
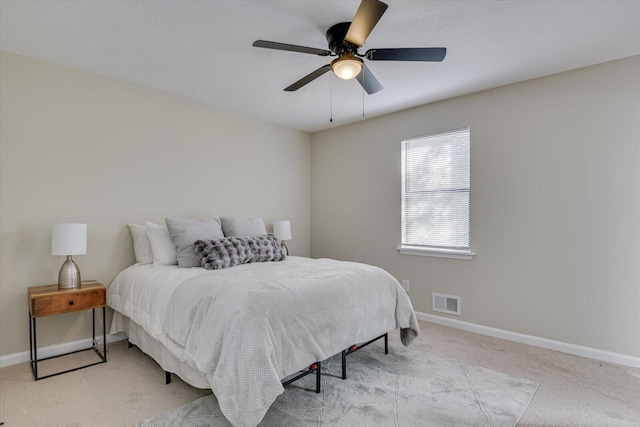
(464,253)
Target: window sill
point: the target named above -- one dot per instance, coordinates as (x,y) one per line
(439,253)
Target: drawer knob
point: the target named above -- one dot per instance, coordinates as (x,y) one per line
(70,302)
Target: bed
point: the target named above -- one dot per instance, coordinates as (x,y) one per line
(241,330)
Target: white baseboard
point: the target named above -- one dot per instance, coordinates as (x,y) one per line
(55,350)
(577,350)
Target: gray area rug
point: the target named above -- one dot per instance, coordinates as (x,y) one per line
(407,387)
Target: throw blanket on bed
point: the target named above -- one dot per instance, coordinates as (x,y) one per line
(266,321)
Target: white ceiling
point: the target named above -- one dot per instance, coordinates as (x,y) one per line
(202,49)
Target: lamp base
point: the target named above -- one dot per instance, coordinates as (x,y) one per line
(69,276)
(284,248)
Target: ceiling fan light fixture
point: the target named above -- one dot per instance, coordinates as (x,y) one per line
(347,66)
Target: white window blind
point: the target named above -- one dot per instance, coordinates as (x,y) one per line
(436,191)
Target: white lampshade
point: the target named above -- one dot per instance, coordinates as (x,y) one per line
(69,239)
(282,230)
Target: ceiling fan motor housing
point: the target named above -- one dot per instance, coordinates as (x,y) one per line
(335,38)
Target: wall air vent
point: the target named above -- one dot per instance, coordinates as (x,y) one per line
(446,304)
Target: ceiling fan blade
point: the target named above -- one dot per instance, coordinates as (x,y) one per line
(367,16)
(308,78)
(368,81)
(434,54)
(291,47)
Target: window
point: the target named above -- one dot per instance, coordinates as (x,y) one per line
(436,195)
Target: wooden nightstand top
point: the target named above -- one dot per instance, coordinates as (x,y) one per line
(48,300)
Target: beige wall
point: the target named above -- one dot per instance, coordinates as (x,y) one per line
(555,193)
(78,148)
(555,205)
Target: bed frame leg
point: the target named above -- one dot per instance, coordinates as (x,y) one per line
(318,378)
(386,343)
(167,377)
(355,348)
(129,345)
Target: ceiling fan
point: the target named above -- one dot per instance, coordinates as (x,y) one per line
(344,41)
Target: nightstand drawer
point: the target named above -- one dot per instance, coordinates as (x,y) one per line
(48,300)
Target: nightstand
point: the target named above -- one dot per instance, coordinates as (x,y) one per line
(48,300)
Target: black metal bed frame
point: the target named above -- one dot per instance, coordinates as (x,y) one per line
(355,348)
(315,367)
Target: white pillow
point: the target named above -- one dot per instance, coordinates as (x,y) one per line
(141,245)
(162,247)
(185,232)
(243,227)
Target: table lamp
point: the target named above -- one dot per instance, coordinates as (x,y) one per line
(68,240)
(282,232)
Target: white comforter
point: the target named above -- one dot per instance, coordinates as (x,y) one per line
(249,326)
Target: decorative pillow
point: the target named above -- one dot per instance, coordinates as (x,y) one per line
(231,251)
(265,248)
(141,244)
(222,253)
(162,247)
(184,232)
(235,226)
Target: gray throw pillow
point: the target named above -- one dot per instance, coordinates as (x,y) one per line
(231,251)
(185,231)
(265,248)
(235,226)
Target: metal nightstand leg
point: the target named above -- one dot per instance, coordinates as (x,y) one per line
(33,346)
(103,356)
(104,333)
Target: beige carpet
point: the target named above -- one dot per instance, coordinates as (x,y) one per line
(573,391)
(405,388)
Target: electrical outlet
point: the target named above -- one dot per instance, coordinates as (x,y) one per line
(406,285)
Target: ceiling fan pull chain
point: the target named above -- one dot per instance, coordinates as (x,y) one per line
(330,99)
(364,76)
